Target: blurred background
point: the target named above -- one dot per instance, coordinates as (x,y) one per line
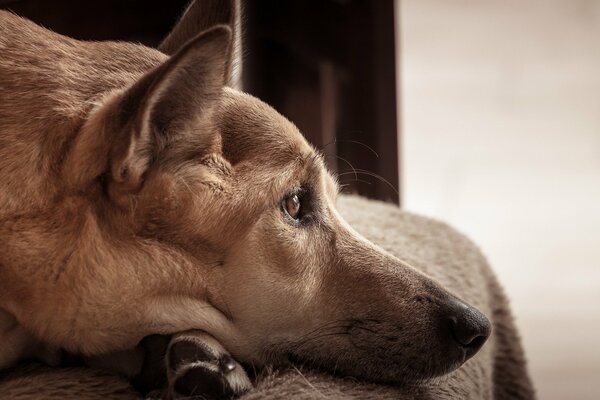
(501,138)
(482,113)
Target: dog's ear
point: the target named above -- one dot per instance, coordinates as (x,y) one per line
(123,137)
(169,100)
(201,15)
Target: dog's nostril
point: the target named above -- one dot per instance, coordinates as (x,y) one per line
(469,327)
(467,334)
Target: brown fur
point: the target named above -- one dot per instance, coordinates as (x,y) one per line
(497,372)
(140,196)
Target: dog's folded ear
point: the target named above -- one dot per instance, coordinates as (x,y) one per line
(201,15)
(123,137)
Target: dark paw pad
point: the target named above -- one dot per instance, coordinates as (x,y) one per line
(184,352)
(199,367)
(199,381)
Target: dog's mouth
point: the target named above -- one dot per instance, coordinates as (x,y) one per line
(368,365)
(379,351)
(379,371)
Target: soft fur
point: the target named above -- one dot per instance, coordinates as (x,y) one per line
(497,372)
(140,195)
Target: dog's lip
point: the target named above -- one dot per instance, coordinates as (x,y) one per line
(464,356)
(292,359)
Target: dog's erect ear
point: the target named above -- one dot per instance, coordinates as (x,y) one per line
(124,136)
(201,15)
(169,100)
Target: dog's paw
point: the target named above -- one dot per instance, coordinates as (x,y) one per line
(199,367)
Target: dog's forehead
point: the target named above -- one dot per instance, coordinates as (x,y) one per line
(253,129)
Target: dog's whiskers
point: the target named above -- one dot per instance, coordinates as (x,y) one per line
(349,164)
(362,144)
(307,381)
(374,175)
(335,140)
(356,180)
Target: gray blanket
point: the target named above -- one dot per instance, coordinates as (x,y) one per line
(498,371)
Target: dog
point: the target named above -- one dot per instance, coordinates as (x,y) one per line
(142,196)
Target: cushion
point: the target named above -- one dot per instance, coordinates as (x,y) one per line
(498,371)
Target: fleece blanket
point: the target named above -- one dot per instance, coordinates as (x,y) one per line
(498,371)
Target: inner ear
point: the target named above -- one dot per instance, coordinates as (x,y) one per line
(172,101)
(166,104)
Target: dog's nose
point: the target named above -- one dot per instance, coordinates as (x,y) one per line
(468,327)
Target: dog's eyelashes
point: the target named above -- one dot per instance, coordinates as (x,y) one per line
(298,207)
(291,206)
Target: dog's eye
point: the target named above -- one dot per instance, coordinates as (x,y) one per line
(291,206)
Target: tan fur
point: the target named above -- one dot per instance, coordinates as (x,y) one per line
(497,372)
(139,195)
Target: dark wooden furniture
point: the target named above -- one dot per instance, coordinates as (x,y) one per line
(143,21)
(328,65)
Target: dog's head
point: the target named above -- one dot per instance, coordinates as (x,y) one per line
(229,186)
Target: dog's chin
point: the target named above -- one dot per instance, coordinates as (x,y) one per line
(407,372)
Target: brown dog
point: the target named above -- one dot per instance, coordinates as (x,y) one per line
(139,195)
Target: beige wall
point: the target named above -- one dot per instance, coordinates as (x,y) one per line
(501,137)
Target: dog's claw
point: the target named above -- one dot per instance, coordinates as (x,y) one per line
(227,363)
(197,365)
